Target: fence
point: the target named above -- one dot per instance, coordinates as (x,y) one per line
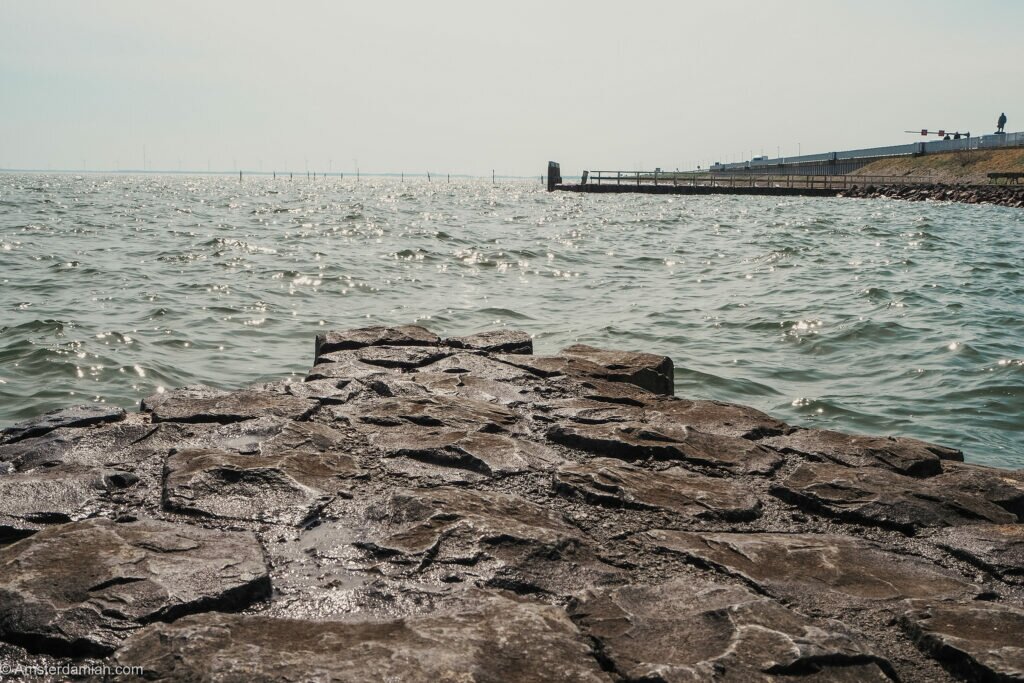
(825,182)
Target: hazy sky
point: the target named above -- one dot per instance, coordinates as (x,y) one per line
(466,87)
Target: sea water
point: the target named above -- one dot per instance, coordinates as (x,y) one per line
(870,316)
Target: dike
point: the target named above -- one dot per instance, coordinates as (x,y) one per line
(427,509)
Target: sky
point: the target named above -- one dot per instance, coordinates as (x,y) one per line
(467,87)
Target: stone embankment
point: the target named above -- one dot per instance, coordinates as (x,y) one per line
(426,509)
(1001,195)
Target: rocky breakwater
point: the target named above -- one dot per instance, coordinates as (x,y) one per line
(426,509)
(1001,195)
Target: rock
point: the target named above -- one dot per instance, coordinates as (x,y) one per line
(35,500)
(647,370)
(235,406)
(284,489)
(640,441)
(326,390)
(390,357)
(447,534)
(715,417)
(696,630)
(603,481)
(896,453)
(979,641)
(817,569)
(495,341)
(487,454)
(192,391)
(871,495)
(475,388)
(996,548)
(80,588)
(437,411)
(348,369)
(497,639)
(481,367)
(406,335)
(83,415)
(1004,488)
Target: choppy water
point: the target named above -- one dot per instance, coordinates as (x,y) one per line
(862,315)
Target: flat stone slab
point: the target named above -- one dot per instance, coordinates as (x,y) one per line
(996,548)
(715,417)
(979,641)
(688,630)
(495,341)
(457,535)
(436,411)
(641,441)
(34,500)
(235,406)
(497,639)
(389,357)
(481,367)
(609,482)
(487,454)
(647,370)
(1005,488)
(818,568)
(83,415)
(405,335)
(80,588)
(284,489)
(326,390)
(896,453)
(871,495)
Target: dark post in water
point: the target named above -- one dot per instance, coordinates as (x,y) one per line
(554,175)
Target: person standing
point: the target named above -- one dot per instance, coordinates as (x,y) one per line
(1001,123)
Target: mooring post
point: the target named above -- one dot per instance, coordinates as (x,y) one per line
(239,176)
(554,175)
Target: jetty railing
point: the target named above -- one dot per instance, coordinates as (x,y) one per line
(695,179)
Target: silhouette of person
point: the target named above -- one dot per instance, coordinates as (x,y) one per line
(1001,123)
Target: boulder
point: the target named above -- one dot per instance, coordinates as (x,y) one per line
(495,341)
(405,335)
(80,588)
(871,495)
(978,641)
(608,482)
(84,415)
(641,441)
(647,370)
(687,630)
(895,453)
(495,639)
(817,569)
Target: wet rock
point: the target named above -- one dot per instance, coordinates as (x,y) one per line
(996,548)
(896,453)
(640,441)
(34,500)
(326,390)
(184,406)
(406,335)
(1004,488)
(609,482)
(284,489)
(646,370)
(979,641)
(495,341)
(80,588)
(192,391)
(715,417)
(481,367)
(497,639)
(447,534)
(875,496)
(817,569)
(696,630)
(78,416)
(475,388)
(437,411)
(390,357)
(487,454)
(347,369)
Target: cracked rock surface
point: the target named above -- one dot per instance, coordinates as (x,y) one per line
(424,508)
